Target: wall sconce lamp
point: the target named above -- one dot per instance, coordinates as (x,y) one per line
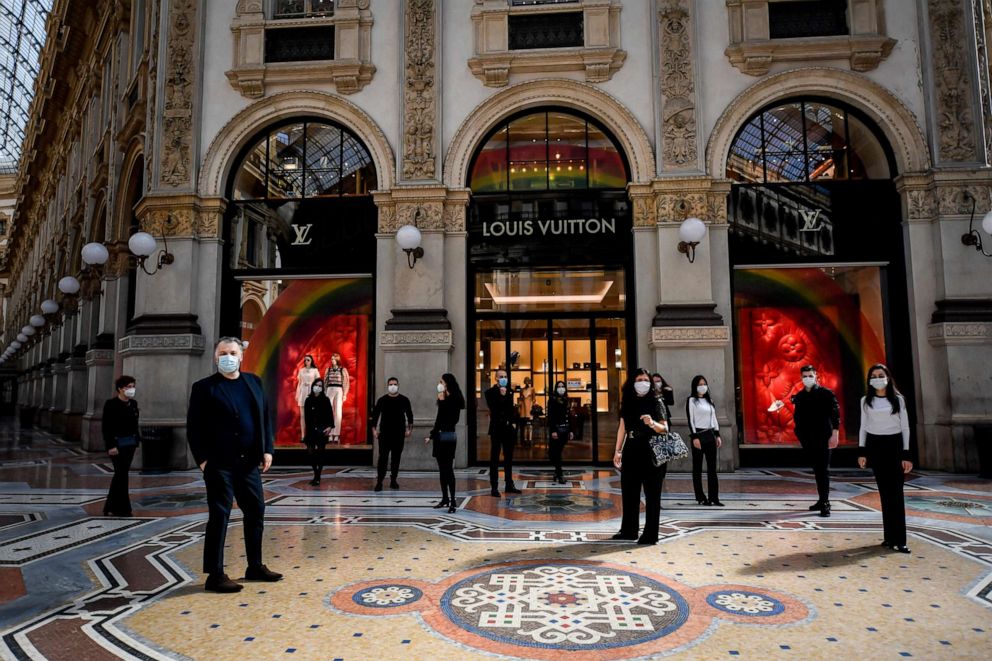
(49,306)
(95,256)
(142,245)
(691,232)
(973,237)
(409,237)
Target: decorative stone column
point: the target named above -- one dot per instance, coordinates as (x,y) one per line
(64,335)
(678,136)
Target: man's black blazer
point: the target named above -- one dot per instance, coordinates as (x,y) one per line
(212,426)
(501,412)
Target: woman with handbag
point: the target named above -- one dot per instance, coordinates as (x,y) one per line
(450,403)
(884,446)
(559,430)
(318,419)
(642,416)
(120,437)
(704,430)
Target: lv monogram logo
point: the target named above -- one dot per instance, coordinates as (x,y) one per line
(810,220)
(302,235)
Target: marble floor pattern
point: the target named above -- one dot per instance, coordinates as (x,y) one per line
(533,576)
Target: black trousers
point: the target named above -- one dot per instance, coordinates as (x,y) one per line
(315,449)
(884,454)
(243,482)
(706,450)
(390,445)
(504,443)
(118,499)
(818,456)
(555,448)
(638,472)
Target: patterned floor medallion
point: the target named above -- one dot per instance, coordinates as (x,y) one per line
(539,609)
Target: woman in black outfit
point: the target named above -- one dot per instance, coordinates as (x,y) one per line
(642,415)
(559,429)
(318,418)
(120,437)
(450,403)
(665,391)
(704,432)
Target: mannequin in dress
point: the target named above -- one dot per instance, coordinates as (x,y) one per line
(525,402)
(304,379)
(337,382)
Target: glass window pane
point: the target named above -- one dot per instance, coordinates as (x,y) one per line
(528,153)
(825,142)
(323,170)
(549,290)
(606,168)
(746,161)
(286,162)
(249,183)
(784,137)
(566,151)
(358,173)
(489,172)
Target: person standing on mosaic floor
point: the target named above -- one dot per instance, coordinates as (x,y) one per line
(120,437)
(392,423)
(319,418)
(450,403)
(704,431)
(559,428)
(665,391)
(884,443)
(502,433)
(642,415)
(231,437)
(817,424)
(304,379)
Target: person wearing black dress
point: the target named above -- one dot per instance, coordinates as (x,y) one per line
(665,391)
(450,403)
(642,415)
(559,429)
(120,437)
(318,417)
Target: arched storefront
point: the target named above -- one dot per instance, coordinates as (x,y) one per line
(818,266)
(549,271)
(299,271)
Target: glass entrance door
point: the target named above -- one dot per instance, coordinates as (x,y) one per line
(588,355)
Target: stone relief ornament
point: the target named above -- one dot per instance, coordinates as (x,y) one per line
(921,204)
(952,79)
(677,87)
(419,112)
(982,14)
(177,122)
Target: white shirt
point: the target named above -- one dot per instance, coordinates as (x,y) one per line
(701,415)
(878,420)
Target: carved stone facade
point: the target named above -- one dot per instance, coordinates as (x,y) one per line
(176,140)
(419,91)
(953,78)
(678,86)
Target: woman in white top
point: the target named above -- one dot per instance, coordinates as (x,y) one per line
(704,430)
(884,441)
(304,379)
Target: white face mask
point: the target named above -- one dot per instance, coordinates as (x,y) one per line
(809,381)
(642,387)
(129,393)
(228,364)
(702,388)
(440,387)
(879,382)
(561,391)
(392,388)
(318,389)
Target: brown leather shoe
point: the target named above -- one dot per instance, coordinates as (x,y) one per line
(262,573)
(221,583)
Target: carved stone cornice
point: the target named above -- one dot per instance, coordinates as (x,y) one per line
(423,206)
(419,91)
(418,340)
(679,149)
(959,333)
(181,216)
(186,344)
(668,337)
(953,76)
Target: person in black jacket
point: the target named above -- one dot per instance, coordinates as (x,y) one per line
(559,428)
(502,433)
(230,434)
(817,423)
(120,437)
(392,422)
(318,420)
(665,391)
(450,403)
(642,415)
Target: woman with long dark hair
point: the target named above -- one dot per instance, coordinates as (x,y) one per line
(665,391)
(642,415)
(319,420)
(704,430)
(884,442)
(450,403)
(559,429)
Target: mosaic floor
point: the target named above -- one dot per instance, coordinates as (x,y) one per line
(384,576)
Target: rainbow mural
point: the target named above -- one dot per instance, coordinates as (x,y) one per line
(315,317)
(787,317)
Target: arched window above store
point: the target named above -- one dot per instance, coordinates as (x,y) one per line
(807,141)
(305,160)
(547,151)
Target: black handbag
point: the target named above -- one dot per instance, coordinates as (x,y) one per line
(447,437)
(665,447)
(706,436)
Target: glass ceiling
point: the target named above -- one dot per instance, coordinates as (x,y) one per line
(22,34)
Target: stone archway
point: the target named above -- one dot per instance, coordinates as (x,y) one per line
(896,121)
(554,92)
(246,124)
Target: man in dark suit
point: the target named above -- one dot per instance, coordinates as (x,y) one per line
(817,419)
(502,434)
(230,435)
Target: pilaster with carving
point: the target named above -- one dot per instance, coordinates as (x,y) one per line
(420,93)
(953,79)
(679,140)
(174,148)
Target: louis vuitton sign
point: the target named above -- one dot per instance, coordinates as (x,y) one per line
(543,228)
